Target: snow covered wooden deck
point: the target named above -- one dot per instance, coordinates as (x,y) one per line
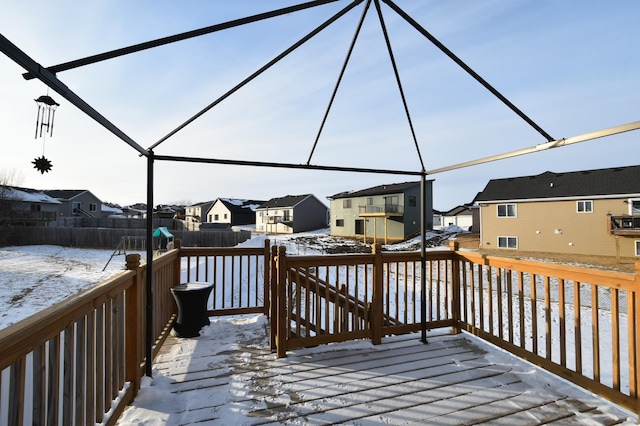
(228,375)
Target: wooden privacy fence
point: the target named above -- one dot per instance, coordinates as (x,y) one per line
(578,323)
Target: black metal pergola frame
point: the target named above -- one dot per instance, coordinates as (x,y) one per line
(48,76)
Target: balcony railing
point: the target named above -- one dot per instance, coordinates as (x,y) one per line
(625,225)
(387,209)
(81,360)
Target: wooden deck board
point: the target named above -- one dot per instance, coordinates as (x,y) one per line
(450,380)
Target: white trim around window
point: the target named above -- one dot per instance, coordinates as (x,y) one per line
(584,206)
(508,242)
(637,244)
(507,210)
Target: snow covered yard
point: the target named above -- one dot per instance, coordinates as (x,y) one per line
(35,277)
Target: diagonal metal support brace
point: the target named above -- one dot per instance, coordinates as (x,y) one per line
(177,37)
(25,61)
(468,69)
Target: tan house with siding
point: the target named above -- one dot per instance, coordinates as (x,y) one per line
(590,212)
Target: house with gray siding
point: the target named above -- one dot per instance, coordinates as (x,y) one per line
(76,203)
(291,214)
(384,213)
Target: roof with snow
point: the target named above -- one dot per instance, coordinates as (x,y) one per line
(240,206)
(26,194)
(620,181)
(393,188)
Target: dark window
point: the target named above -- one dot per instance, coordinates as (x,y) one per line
(339,222)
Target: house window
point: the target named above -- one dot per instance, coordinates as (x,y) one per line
(507,210)
(287,215)
(637,248)
(339,222)
(36,207)
(391,204)
(370,201)
(93,207)
(412,201)
(584,206)
(215,217)
(225,215)
(76,206)
(508,242)
(635,207)
(346,204)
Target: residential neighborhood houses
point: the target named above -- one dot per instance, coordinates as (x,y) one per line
(588,212)
(291,214)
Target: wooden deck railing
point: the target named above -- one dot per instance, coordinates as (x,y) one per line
(81,360)
(333,298)
(578,323)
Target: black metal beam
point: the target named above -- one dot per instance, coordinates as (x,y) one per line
(398,81)
(465,67)
(284,165)
(22,59)
(177,37)
(259,71)
(342,71)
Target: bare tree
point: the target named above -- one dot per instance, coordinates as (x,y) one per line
(9,178)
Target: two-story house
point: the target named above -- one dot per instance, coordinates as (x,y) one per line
(386,213)
(291,214)
(26,206)
(233,212)
(76,202)
(197,213)
(590,212)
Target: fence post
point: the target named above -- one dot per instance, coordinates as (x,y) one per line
(378,296)
(177,264)
(281,317)
(273,283)
(266,278)
(455,287)
(133,331)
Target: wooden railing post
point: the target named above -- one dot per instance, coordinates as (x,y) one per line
(378,296)
(454,246)
(273,314)
(133,330)
(281,308)
(177,264)
(266,291)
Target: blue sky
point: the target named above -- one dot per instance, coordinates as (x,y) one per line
(571,66)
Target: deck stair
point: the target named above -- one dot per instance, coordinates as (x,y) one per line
(337,295)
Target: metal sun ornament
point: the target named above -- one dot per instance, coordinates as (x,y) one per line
(44,121)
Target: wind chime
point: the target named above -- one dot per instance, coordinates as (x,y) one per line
(44,126)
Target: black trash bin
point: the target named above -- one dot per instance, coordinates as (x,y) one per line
(191,299)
